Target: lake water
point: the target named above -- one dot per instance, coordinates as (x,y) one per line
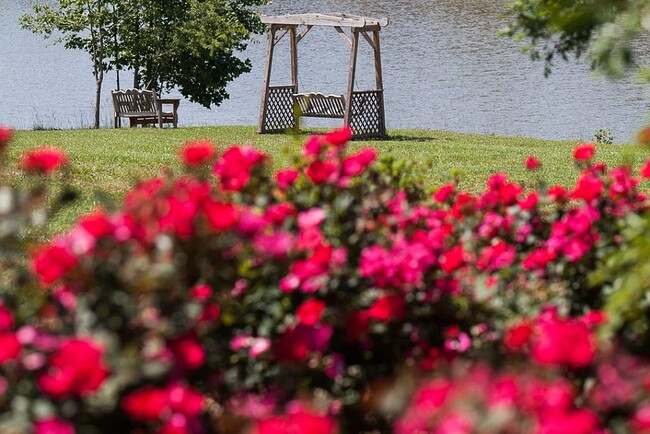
(444,68)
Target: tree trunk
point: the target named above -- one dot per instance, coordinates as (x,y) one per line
(117,50)
(136,51)
(98,97)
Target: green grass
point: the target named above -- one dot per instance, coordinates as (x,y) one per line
(110,161)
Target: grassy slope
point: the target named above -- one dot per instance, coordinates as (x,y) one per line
(110,160)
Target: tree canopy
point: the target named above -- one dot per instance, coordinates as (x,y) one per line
(192,45)
(81,25)
(605,30)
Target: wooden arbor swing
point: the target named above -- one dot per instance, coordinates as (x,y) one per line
(362,111)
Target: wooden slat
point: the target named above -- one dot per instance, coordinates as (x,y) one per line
(318,105)
(293,40)
(344,36)
(267,81)
(379,82)
(279,37)
(303,33)
(334,20)
(351,75)
(370,41)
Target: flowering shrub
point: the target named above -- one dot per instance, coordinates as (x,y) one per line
(335,296)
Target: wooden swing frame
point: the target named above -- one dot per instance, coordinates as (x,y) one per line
(362,111)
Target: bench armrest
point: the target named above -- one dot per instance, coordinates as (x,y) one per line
(172,101)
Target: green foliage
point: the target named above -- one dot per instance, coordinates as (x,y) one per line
(604,136)
(626,275)
(82,25)
(192,45)
(605,29)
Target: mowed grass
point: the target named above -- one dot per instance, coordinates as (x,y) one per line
(109,162)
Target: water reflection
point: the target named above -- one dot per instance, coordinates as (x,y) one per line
(444,68)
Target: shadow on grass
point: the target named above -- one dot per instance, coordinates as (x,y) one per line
(406,138)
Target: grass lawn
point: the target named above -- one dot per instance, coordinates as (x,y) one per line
(110,160)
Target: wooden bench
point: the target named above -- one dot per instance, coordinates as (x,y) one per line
(318,105)
(143,107)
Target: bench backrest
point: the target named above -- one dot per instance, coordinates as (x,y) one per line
(134,101)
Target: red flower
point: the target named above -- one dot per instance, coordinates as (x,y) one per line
(578,421)
(321,171)
(210,313)
(532,163)
(517,336)
(444,192)
(558,193)
(339,137)
(6,134)
(43,160)
(387,308)
(53,425)
(188,351)
(6,318)
(51,263)
(641,418)
(221,215)
(310,312)
(147,404)
(177,424)
(235,165)
(299,422)
(584,152)
(588,188)
(312,147)
(198,152)
(355,164)
(464,205)
(538,259)
(292,346)
(563,342)
(295,344)
(185,400)
(452,259)
(530,201)
(96,224)
(357,325)
(9,347)
(286,177)
(201,292)
(278,213)
(496,256)
(645,170)
(76,368)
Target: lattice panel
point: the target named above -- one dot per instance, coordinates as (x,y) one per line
(366,119)
(279,112)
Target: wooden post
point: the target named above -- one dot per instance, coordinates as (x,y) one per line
(293,41)
(267,80)
(351,75)
(294,58)
(379,82)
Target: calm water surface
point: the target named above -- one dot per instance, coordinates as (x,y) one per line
(444,68)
